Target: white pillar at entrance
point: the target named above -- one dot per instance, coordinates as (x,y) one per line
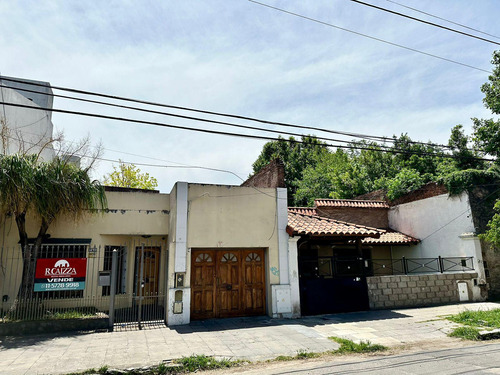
(293,264)
(282,221)
(179,296)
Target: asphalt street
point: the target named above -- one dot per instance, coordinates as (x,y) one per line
(477,359)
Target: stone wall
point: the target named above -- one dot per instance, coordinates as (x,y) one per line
(491,258)
(417,290)
(35,327)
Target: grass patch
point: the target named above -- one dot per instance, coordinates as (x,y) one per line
(203,362)
(300,355)
(348,346)
(194,363)
(282,358)
(473,322)
(70,314)
(486,319)
(466,333)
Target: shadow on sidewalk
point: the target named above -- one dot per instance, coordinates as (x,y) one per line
(212,325)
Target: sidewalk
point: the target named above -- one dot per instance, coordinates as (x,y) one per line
(239,338)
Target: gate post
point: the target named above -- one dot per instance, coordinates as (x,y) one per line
(141,277)
(112,290)
(405,266)
(440,261)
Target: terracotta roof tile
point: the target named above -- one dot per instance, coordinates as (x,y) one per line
(350,203)
(303,210)
(302,224)
(391,237)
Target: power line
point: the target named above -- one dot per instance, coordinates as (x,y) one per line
(443,19)
(91,93)
(371,37)
(426,22)
(251,136)
(355,135)
(190,117)
(461,214)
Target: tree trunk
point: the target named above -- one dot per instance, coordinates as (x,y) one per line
(26,305)
(27,253)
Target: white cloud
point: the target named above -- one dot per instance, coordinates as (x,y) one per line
(246,59)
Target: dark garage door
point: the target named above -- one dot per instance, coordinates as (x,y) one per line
(332,285)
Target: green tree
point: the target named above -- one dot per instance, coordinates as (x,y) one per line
(47,190)
(487,137)
(492,235)
(129,176)
(465,158)
(405,181)
(296,157)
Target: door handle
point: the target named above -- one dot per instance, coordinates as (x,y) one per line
(229,287)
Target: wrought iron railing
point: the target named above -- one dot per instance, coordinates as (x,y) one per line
(407,266)
(62,280)
(326,267)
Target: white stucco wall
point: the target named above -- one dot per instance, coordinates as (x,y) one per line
(220,216)
(29,129)
(443,224)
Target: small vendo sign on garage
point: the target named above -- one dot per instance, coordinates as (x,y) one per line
(60,274)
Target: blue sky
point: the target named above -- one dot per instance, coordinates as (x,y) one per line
(239,57)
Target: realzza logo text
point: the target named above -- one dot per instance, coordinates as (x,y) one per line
(61,268)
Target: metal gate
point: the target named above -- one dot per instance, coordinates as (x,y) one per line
(73,278)
(143,303)
(332,285)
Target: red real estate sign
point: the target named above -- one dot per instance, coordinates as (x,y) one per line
(60,274)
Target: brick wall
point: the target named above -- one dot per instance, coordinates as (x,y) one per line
(416,290)
(429,190)
(271,176)
(371,217)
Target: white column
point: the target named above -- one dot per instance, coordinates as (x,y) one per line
(179,299)
(181,227)
(293,265)
(282,222)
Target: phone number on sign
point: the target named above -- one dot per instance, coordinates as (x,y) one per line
(61,285)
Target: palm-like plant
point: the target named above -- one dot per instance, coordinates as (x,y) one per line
(48,190)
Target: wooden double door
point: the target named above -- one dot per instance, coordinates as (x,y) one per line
(227,283)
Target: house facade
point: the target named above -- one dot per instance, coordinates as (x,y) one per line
(202,251)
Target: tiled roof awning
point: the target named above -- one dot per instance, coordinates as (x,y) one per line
(350,203)
(303,210)
(391,237)
(301,224)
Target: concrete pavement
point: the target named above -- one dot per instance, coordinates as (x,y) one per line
(239,338)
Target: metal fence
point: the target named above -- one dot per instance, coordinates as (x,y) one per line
(327,266)
(408,266)
(72,279)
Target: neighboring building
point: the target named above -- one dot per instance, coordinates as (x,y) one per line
(421,250)
(26,130)
(202,251)
(355,254)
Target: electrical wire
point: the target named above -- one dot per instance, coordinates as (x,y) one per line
(250,136)
(443,19)
(461,214)
(92,93)
(371,37)
(423,21)
(195,118)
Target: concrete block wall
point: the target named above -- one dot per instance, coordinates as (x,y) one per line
(417,290)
